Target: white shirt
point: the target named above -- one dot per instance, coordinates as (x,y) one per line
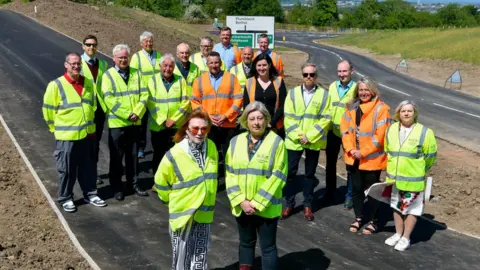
(308,94)
(404,132)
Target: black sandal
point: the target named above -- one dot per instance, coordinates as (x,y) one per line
(371,228)
(354,228)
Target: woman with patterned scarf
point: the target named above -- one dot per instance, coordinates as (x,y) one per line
(186,181)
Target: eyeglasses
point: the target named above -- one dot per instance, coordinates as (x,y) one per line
(312,75)
(90,45)
(195,130)
(76,64)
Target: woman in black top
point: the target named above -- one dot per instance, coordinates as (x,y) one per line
(266,86)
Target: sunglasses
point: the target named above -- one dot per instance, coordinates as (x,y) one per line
(90,45)
(312,75)
(195,130)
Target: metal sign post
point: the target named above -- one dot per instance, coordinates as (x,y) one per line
(454,78)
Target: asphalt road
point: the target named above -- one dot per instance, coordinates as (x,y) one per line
(133,234)
(452,115)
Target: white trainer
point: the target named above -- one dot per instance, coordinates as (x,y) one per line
(69,206)
(393,240)
(403,244)
(95,200)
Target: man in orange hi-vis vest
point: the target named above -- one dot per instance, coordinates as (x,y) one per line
(218,93)
(263,44)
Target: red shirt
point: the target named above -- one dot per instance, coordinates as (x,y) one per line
(78,85)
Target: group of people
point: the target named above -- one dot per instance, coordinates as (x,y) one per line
(226,112)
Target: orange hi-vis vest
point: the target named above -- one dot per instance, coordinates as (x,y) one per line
(277,62)
(370,133)
(227,100)
(251,86)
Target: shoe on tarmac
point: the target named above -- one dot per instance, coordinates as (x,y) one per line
(393,240)
(403,244)
(95,200)
(69,206)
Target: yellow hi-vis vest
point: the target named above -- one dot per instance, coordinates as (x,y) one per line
(162,104)
(312,121)
(238,71)
(197,59)
(339,105)
(102,67)
(188,190)
(141,63)
(68,115)
(260,179)
(122,100)
(408,163)
(193,73)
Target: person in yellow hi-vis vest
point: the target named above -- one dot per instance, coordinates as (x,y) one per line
(307,119)
(68,108)
(200,58)
(411,151)
(146,62)
(242,70)
(257,170)
(340,92)
(186,181)
(126,100)
(93,70)
(183,67)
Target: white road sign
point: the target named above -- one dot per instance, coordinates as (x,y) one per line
(246,29)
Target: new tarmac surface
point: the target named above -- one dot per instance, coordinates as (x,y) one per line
(133,234)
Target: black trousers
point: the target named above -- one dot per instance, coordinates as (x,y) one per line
(162,141)
(362,180)
(266,228)
(311,162)
(142,142)
(333,148)
(122,142)
(221,137)
(99,125)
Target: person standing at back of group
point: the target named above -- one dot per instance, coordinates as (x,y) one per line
(242,70)
(219,94)
(146,62)
(341,92)
(266,86)
(126,100)
(200,58)
(93,69)
(183,67)
(68,108)
(307,119)
(228,52)
(263,44)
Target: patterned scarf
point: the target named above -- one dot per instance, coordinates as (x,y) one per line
(197,152)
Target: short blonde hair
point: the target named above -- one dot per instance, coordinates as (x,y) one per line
(252,107)
(403,104)
(372,87)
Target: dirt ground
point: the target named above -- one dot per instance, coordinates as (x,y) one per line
(428,70)
(42,243)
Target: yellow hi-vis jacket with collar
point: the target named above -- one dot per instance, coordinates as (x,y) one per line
(188,190)
(68,115)
(122,100)
(238,71)
(162,104)
(408,163)
(197,59)
(102,67)
(193,73)
(339,105)
(313,121)
(260,179)
(141,63)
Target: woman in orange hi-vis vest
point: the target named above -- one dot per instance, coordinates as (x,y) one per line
(266,86)
(363,128)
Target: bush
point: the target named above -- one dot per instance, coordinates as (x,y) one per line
(195,14)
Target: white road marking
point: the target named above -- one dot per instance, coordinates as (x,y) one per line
(456,110)
(395,90)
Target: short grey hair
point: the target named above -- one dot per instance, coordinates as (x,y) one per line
(310,65)
(145,35)
(167,56)
(71,54)
(252,107)
(403,104)
(120,47)
(209,39)
(183,44)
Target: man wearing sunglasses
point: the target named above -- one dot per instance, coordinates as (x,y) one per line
(307,119)
(93,69)
(341,92)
